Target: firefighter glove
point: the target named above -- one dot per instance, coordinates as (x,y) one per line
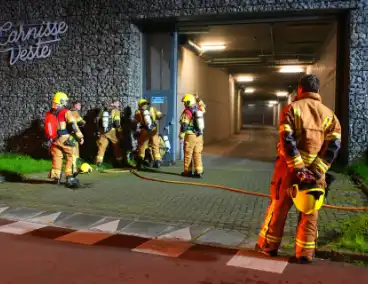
(305,176)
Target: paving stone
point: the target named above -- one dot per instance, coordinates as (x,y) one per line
(20,213)
(79,221)
(215,236)
(144,229)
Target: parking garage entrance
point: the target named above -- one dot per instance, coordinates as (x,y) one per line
(245,70)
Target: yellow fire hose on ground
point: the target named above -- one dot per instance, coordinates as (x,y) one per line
(237,190)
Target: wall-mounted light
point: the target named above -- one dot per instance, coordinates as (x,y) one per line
(271,105)
(282,94)
(272,102)
(212,46)
(291,69)
(244,79)
(251,105)
(249,90)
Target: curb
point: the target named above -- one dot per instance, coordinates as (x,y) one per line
(360,183)
(341,256)
(323,253)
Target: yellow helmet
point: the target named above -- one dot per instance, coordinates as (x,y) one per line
(189,100)
(308,198)
(142,102)
(85,168)
(60,98)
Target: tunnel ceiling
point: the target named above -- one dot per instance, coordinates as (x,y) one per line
(260,49)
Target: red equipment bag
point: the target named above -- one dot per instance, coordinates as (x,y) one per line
(52,120)
(51,125)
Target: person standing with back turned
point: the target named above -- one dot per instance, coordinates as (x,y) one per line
(310,139)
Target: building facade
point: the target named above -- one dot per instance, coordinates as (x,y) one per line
(94,53)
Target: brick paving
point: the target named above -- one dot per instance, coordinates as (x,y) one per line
(124,195)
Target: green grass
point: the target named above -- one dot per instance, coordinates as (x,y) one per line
(352,234)
(361,169)
(25,165)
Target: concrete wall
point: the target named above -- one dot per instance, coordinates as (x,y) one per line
(325,69)
(213,86)
(100,56)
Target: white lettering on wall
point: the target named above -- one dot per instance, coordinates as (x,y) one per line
(39,39)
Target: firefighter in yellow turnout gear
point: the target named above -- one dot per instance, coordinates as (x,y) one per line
(109,130)
(310,138)
(64,142)
(191,131)
(76,107)
(147,117)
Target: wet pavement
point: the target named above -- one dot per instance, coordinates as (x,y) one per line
(222,217)
(28,259)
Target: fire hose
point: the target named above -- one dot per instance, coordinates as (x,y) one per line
(346,208)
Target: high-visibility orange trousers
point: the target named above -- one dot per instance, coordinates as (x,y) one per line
(193,148)
(58,150)
(273,227)
(103,143)
(75,156)
(145,138)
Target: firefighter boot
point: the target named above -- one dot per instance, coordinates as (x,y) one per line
(271,253)
(55,180)
(140,164)
(304,260)
(187,174)
(198,175)
(72,182)
(157,164)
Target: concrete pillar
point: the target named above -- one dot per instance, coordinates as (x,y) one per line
(274,109)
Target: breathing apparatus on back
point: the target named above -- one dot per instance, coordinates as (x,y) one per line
(147,119)
(106,119)
(190,103)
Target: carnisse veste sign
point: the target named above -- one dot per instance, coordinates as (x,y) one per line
(26,43)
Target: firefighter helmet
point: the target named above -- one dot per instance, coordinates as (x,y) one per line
(141,102)
(307,198)
(60,98)
(189,100)
(85,168)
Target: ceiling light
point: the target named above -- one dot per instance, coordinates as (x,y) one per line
(272,102)
(194,45)
(281,94)
(291,69)
(249,90)
(251,105)
(212,47)
(244,79)
(271,105)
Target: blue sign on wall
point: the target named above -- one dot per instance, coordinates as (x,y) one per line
(157,100)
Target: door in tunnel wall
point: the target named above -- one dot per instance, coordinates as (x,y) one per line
(159,81)
(257,114)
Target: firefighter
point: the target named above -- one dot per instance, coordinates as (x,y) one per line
(202,107)
(109,130)
(61,140)
(310,138)
(76,107)
(147,117)
(191,131)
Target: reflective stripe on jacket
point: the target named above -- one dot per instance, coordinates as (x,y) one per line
(310,134)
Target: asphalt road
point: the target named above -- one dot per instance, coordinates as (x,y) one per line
(35,260)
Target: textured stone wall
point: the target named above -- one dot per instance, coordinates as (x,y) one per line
(100,55)
(98,58)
